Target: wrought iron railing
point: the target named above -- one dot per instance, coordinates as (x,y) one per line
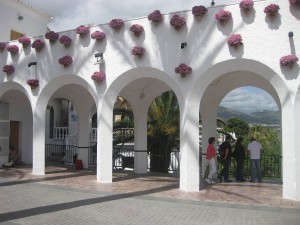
(60,153)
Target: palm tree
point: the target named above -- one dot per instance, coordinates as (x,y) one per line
(163,130)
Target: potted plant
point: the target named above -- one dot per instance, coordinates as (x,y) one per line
(38,45)
(177,21)
(246,5)
(2,46)
(138,51)
(155,16)
(98,76)
(66,60)
(98,35)
(82,31)
(295,2)
(199,11)
(8,69)
(116,24)
(271,10)
(223,16)
(183,69)
(235,40)
(33,83)
(25,41)
(288,60)
(137,29)
(52,36)
(65,40)
(13,49)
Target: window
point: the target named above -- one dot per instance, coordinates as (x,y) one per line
(14,35)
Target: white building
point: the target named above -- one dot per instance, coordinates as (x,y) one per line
(217,69)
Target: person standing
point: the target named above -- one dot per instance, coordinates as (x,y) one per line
(239,156)
(211,158)
(225,155)
(254,147)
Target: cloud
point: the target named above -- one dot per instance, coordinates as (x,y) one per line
(248,100)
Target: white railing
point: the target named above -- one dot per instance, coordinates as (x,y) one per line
(93,135)
(60,133)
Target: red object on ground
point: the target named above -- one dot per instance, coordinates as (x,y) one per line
(79,164)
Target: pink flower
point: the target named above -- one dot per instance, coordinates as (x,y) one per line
(52,36)
(183,69)
(82,30)
(65,40)
(138,51)
(223,16)
(155,16)
(235,40)
(246,5)
(13,49)
(137,29)
(8,69)
(25,41)
(98,76)
(288,60)
(38,44)
(33,83)
(116,24)
(199,10)
(295,2)
(66,60)
(98,35)
(271,10)
(2,46)
(177,21)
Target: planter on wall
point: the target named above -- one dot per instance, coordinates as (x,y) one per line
(235,40)
(98,36)
(288,60)
(183,69)
(65,40)
(82,31)
(25,41)
(271,10)
(138,51)
(155,16)
(33,83)
(246,5)
(13,49)
(8,69)
(177,22)
(66,60)
(98,77)
(38,45)
(52,36)
(199,11)
(137,29)
(116,24)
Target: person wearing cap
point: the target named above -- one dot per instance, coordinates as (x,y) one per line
(225,155)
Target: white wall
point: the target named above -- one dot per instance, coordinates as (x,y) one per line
(33,23)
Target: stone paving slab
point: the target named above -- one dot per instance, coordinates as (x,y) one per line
(51,199)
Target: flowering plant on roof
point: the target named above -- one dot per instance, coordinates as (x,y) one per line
(246,5)
(8,69)
(25,41)
(138,51)
(199,10)
(288,60)
(137,29)
(13,49)
(52,36)
(116,24)
(235,40)
(295,2)
(177,21)
(183,69)
(223,16)
(98,35)
(33,83)
(98,76)
(155,16)
(2,46)
(271,10)
(65,40)
(66,60)
(82,31)
(38,45)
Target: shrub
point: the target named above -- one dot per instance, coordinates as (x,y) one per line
(183,69)
(116,24)
(98,76)
(38,45)
(138,51)
(199,10)
(82,31)
(235,40)
(65,40)
(98,35)
(177,21)
(288,60)
(25,41)
(66,60)
(13,49)
(223,16)
(8,69)
(155,16)
(52,36)
(137,29)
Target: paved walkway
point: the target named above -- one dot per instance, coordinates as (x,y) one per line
(65,196)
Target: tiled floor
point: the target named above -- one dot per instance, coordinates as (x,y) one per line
(157,185)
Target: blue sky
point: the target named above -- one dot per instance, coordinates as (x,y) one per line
(69,14)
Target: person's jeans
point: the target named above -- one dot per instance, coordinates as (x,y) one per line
(255,169)
(225,170)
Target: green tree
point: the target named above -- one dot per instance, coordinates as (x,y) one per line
(163,130)
(238,126)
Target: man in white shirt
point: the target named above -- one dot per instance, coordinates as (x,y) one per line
(254,147)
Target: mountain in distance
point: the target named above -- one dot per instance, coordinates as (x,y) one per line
(261,117)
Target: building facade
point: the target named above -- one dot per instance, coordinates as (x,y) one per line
(217,68)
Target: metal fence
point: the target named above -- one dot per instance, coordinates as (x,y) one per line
(59,153)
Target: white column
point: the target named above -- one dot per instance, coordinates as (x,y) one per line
(38,146)
(140,141)
(83,136)
(189,148)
